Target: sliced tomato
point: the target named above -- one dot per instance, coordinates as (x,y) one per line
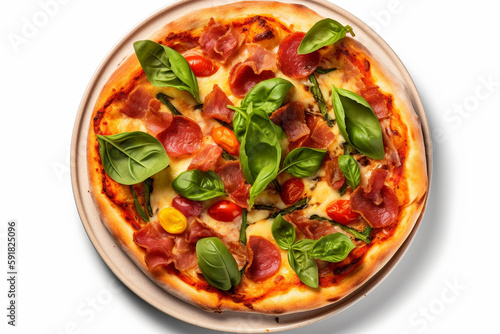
(291,191)
(187,207)
(226,139)
(340,211)
(202,67)
(225,211)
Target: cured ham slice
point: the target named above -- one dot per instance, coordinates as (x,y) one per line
(182,137)
(293,64)
(234,182)
(215,105)
(320,136)
(333,175)
(377,101)
(158,244)
(157,121)
(363,201)
(264,258)
(218,42)
(312,229)
(206,158)
(293,119)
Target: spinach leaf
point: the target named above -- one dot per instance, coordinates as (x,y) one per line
(318,96)
(165,67)
(243,228)
(217,264)
(363,236)
(297,206)
(165,100)
(267,95)
(303,161)
(197,185)
(350,169)
(283,232)
(148,189)
(303,263)
(357,123)
(260,152)
(332,248)
(324,32)
(138,207)
(131,157)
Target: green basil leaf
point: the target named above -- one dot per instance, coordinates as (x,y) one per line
(283,232)
(303,263)
(303,161)
(350,169)
(267,95)
(138,207)
(332,248)
(131,157)
(240,121)
(165,67)
(318,96)
(217,264)
(363,236)
(197,185)
(260,153)
(357,123)
(324,32)
(297,206)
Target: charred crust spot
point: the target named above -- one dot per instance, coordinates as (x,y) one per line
(364,161)
(248,305)
(331,300)
(268,34)
(367,65)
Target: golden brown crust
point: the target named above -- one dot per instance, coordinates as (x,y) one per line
(298,297)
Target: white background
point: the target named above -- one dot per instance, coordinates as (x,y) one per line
(447,281)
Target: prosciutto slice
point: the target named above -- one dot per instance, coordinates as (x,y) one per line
(206,158)
(333,175)
(234,182)
(293,119)
(218,42)
(320,136)
(377,101)
(215,105)
(312,229)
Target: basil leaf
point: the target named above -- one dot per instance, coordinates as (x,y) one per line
(243,228)
(363,236)
(260,153)
(165,67)
(138,207)
(131,157)
(350,169)
(324,32)
(332,248)
(148,189)
(240,121)
(303,161)
(297,206)
(165,100)
(267,95)
(357,123)
(318,96)
(217,264)
(303,263)
(283,232)
(197,185)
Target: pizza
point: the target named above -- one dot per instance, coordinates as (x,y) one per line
(255,157)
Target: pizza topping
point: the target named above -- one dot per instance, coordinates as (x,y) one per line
(320,137)
(217,264)
(187,207)
(350,169)
(377,101)
(165,67)
(291,63)
(293,119)
(182,137)
(267,95)
(215,105)
(225,211)
(226,139)
(303,161)
(291,191)
(137,103)
(197,185)
(131,157)
(172,220)
(218,42)
(322,33)
(391,152)
(202,67)
(232,175)
(312,229)
(333,174)
(341,212)
(320,100)
(157,121)
(158,244)
(241,195)
(242,78)
(198,230)
(363,236)
(165,100)
(206,158)
(264,259)
(363,201)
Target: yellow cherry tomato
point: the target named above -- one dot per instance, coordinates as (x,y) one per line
(172,220)
(226,139)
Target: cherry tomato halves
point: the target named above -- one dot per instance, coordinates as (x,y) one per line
(225,211)
(340,211)
(291,191)
(202,67)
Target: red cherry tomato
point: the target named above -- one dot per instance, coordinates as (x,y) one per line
(202,67)
(340,211)
(225,211)
(291,191)
(187,207)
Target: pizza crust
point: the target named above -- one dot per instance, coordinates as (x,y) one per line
(301,297)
